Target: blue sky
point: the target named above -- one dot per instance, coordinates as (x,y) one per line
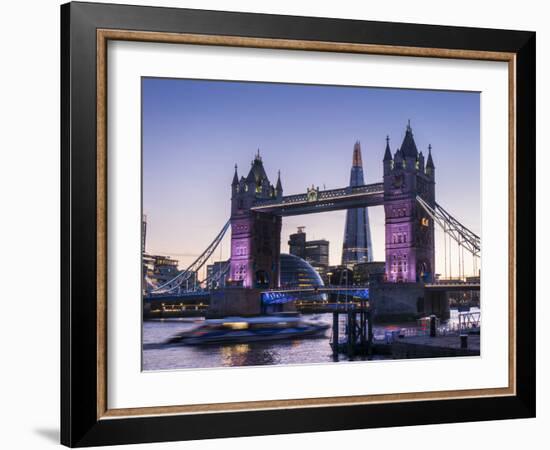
(195,131)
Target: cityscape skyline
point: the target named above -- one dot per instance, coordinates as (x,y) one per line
(307,132)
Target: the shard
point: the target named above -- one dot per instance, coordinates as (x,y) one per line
(357,239)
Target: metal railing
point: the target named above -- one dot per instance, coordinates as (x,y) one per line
(330,194)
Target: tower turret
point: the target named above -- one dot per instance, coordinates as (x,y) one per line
(408,148)
(257,180)
(430,168)
(235,182)
(420,165)
(388,160)
(279,187)
(398,159)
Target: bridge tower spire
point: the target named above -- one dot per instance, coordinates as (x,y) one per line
(235,178)
(279,187)
(430,164)
(410,255)
(388,160)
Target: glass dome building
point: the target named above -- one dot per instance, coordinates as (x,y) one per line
(298,273)
(295,273)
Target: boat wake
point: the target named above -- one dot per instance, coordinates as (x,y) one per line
(249,329)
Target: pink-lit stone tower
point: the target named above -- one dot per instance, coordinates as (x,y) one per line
(409,230)
(255,237)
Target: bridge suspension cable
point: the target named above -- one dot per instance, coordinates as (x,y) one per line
(463,236)
(193,268)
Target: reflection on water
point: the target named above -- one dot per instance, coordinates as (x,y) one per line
(296,351)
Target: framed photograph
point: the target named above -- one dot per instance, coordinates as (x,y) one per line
(276,224)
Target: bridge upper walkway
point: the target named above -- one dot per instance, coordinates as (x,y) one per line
(315,200)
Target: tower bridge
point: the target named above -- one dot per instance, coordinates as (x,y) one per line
(407,193)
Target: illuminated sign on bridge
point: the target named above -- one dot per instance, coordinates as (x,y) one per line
(273,297)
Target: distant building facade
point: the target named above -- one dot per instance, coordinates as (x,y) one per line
(315,252)
(340,276)
(297,243)
(159,269)
(216,275)
(366,272)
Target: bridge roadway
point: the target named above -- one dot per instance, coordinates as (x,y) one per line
(285,295)
(321,290)
(315,200)
(275,295)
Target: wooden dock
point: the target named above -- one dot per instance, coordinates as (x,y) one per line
(434,347)
(358,334)
(357,339)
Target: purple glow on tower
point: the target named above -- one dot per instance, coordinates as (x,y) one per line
(255,238)
(410,252)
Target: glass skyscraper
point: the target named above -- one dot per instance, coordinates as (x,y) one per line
(357,240)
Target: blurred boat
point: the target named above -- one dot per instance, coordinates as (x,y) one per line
(249,329)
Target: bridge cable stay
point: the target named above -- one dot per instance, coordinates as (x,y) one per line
(213,278)
(204,282)
(216,275)
(194,267)
(445,247)
(208,281)
(459,260)
(458,232)
(450,255)
(221,254)
(462,250)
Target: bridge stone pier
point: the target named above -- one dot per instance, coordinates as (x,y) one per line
(407,301)
(235,301)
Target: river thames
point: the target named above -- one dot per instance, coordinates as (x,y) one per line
(157,356)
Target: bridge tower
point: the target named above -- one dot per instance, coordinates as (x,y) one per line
(255,237)
(410,252)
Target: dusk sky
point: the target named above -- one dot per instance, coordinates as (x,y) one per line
(194,132)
